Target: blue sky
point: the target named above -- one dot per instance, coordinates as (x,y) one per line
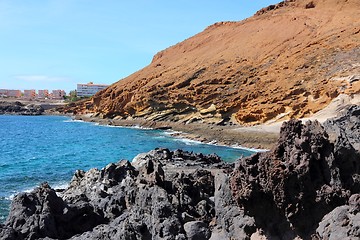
(55,44)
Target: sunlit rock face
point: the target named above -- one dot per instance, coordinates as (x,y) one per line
(288,60)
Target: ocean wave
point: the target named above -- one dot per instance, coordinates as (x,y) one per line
(112,126)
(118,126)
(140,127)
(245,148)
(60,186)
(8,198)
(188,141)
(172,132)
(177,136)
(56,186)
(11,196)
(235,146)
(160,137)
(213,143)
(73,120)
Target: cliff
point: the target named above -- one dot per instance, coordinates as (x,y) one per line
(287,61)
(306,187)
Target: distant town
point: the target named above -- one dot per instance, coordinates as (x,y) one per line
(82,90)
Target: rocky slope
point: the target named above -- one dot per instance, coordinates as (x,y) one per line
(18,108)
(288,60)
(306,187)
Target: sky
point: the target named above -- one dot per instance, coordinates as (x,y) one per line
(55,44)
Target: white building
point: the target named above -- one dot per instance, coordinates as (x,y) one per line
(89,89)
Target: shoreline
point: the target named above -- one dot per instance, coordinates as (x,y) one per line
(230,136)
(99,193)
(182,136)
(256,138)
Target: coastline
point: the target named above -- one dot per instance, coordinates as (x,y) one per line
(230,136)
(256,138)
(112,199)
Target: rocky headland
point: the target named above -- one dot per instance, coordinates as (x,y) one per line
(306,187)
(235,82)
(289,60)
(19,108)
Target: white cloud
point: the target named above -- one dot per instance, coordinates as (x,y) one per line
(40,78)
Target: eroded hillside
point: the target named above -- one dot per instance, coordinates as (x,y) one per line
(288,60)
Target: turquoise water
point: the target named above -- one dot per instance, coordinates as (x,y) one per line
(51,148)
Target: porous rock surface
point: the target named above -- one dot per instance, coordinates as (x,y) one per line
(307,187)
(343,222)
(303,178)
(152,201)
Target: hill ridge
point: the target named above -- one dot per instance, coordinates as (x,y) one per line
(289,61)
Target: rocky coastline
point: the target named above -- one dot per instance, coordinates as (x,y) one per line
(257,137)
(306,187)
(226,135)
(19,108)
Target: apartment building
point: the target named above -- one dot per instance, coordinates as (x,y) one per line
(10,93)
(43,94)
(30,93)
(58,94)
(89,89)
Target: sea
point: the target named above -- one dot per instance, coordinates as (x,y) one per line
(36,149)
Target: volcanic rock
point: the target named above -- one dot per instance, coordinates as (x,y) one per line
(124,202)
(302,179)
(18,108)
(306,187)
(289,60)
(42,213)
(197,230)
(231,222)
(343,222)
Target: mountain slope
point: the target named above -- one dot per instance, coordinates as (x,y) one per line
(288,60)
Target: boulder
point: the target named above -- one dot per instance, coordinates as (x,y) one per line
(297,183)
(7,233)
(155,200)
(343,222)
(42,213)
(197,230)
(231,222)
(344,132)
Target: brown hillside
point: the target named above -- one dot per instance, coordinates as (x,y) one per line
(288,60)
